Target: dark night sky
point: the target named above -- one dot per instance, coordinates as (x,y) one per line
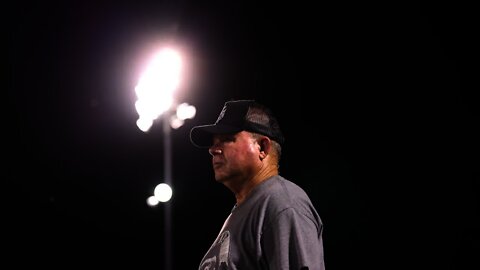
(377,105)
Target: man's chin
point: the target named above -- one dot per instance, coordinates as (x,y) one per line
(220,177)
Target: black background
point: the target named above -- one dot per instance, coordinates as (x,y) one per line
(377,103)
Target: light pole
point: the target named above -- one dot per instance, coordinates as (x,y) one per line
(155,98)
(167,161)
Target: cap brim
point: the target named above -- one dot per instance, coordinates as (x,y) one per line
(201,136)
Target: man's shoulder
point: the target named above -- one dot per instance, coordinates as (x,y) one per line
(282,193)
(287,187)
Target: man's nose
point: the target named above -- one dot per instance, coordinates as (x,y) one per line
(215,151)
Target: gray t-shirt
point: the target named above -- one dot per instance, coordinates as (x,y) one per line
(276,228)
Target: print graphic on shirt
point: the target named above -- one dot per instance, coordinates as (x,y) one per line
(220,248)
(224,242)
(209,264)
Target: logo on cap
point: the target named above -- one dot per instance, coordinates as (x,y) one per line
(222,113)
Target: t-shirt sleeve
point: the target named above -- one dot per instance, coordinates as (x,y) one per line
(293,241)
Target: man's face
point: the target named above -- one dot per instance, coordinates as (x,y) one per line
(234,156)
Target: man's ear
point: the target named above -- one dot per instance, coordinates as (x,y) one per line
(265,144)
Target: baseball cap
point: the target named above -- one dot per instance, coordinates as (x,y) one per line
(236,116)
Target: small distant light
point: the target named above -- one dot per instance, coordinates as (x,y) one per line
(186,111)
(144,124)
(175,122)
(152,201)
(163,192)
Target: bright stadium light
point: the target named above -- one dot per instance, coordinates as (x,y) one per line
(155,93)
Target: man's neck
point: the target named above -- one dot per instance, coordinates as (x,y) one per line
(242,192)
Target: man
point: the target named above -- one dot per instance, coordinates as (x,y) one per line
(273,224)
